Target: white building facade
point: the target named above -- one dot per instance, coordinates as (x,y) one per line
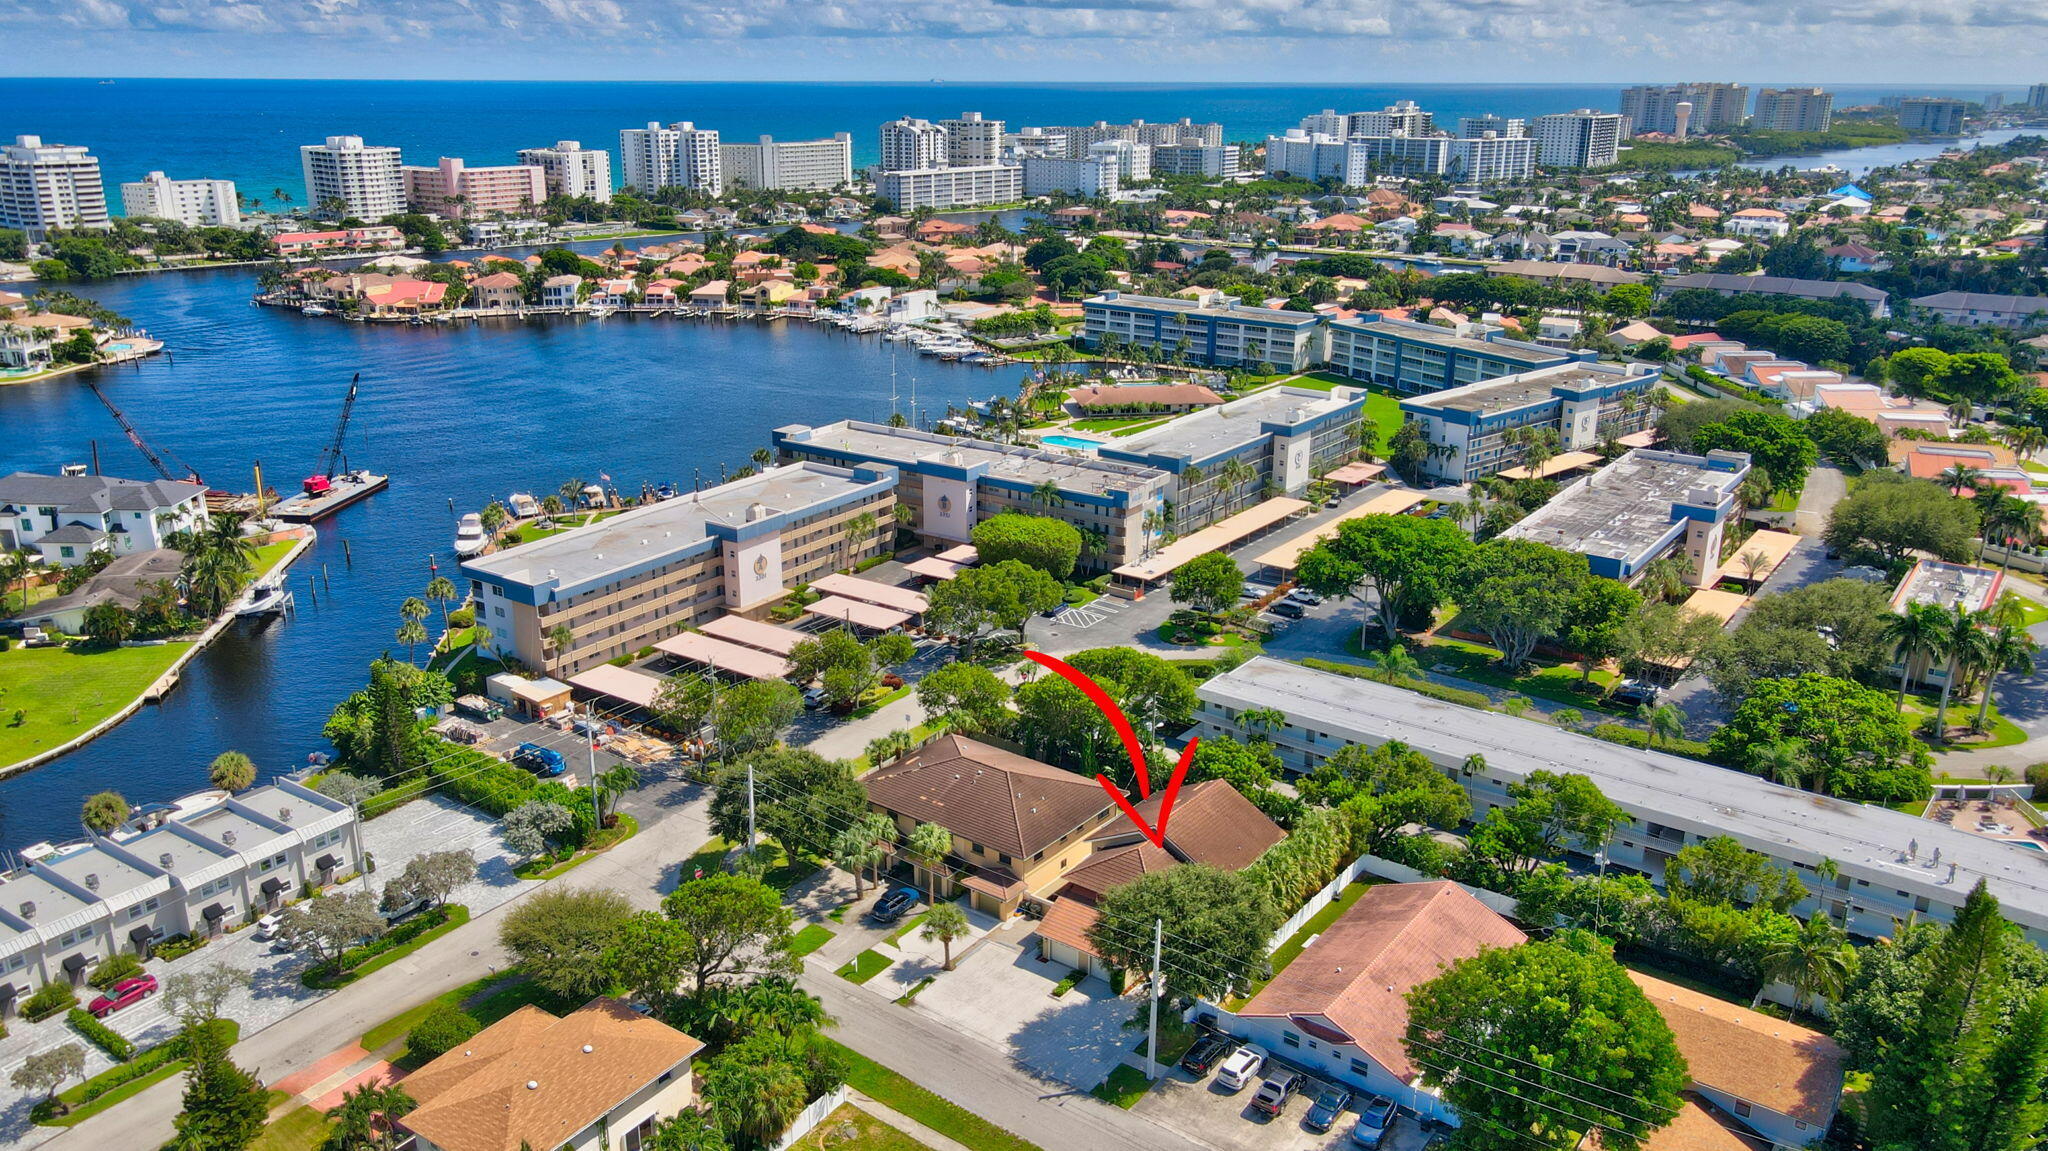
(194,203)
(912,145)
(1094,178)
(1579,139)
(790,165)
(366,180)
(972,140)
(572,170)
(941,188)
(1793,110)
(680,155)
(48,186)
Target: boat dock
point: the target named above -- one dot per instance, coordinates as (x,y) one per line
(347,489)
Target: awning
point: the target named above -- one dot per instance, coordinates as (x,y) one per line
(753,633)
(273,885)
(859,614)
(1763,551)
(622,683)
(1555,465)
(327,863)
(932,567)
(1214,538)
(1392,502)
(868,591)
(1356,472)
(1721,605)
(1642,439)
(748,662)
(997,882)
(142,934)
(961,554)
(214,911)
(8,991)
(74,963)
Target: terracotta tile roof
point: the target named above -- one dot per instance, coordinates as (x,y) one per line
(1767,1062)
(1350,985)
(1067,921)
(998,799)
(532,1078)
(1211,823)
(1114,867)
(1111,396)
(498,280)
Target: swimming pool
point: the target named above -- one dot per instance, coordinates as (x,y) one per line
(1075,442)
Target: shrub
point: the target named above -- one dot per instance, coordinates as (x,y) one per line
(112,971)
(2037,774)
(177,947)
(100,1035)
(48,1000)
(445,1028)
(462,617)
(1065,985)
(321,975)
(1636,737)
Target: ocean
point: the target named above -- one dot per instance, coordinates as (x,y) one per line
(250,131)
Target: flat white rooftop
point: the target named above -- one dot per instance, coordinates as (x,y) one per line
(1624,509)
(1030,466)
(1237,424)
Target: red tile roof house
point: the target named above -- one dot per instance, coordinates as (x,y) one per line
(1211,824)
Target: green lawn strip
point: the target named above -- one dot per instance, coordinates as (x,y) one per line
(457,916)
(82,1111)
(1111,424)
(1319,922)
(1558,683)
(2003,733)
(892,1090)
(909,925)
(1124,1087)
(864,966)
(488,999)
(602,842)
(709,859)
(303,1129)
(879,702)
(811,938)
(270,555)
(867,1133)
(62,691)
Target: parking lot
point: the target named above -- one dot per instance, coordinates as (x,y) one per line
(1204,1111)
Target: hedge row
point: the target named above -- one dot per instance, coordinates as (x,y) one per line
(112,1078)
(1430,688)
(1638,738)
(101,1036)
(398,936)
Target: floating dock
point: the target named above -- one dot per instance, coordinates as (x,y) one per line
(347,489)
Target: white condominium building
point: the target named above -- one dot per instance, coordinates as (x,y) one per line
(572,170)
(942,188)
(1475,126)
(1328,122)
(45,186)
(1932,115)
(1793,110)
(971,140)
(1133,161)
(1402,116)
(681,155)
(1192,158)
(1487,159)
(1654,107)
(1579,139)
(364,180)
(194,203)
(454,189)
(1034,142)
(1080,136)
(1093,178)
(1317,157)
(911,145)
(790,165)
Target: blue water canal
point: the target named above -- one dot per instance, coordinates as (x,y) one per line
(463,412)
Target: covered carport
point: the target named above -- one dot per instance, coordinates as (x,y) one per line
(731,658)
(872,617)
(902,599)
(1556,465)
(1133,580)
(753,633)
(636,688)
(1392,502)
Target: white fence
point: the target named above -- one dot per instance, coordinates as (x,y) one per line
(813,1114)
(1384,869)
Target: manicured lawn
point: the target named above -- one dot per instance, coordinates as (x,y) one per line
(2031,612)
(488,999)
(851,1129)
(10,603)
(909,925)
(1124,1087)
(2003,733)
(1556,682)
(602,842)
(1111,424)
(49,695)
(888,696)
(82,1111)
(457,916)
(864,966)
(892,1090)
(811,938)
(270,555)
(302,1130)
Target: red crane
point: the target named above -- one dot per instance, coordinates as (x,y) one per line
(335,457)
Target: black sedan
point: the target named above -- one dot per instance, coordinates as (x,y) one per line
(1207,1052)
(1329,1105)
(891,907)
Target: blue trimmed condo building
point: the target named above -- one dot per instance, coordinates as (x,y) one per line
(1412,357)
(1640,508)
(1211,329)
(1469,428)
(645,574)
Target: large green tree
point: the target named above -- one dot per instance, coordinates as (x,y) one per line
(1522,593)
(711,934)
(1836,626)
(1858,742)
(1407,564)
(1215,928)
(1382,790)
(225,1107)
(1535,1046)
(1207,583)
(801,799)
(1891,515)
(559,936)
(751,716)
(1775,442)
(1052,546)
(966,698)
(989,598)
(1550,812)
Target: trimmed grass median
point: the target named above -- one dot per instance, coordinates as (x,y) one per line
(812,937)
(1124,1087)
(864,966)
(892,1090)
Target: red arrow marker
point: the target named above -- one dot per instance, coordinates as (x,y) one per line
(1132,747)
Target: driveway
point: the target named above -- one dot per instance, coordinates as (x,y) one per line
(1824,488)
(1225,1120)
(1002,995)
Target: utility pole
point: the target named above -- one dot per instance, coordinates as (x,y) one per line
(1158,989)
(590,741)
(750,812)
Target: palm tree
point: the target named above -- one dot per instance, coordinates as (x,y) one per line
(1910,632)
(1752,562)
(1395,665)
(931,843)
(1048,495)
(1665,579)
(859,531)
(1756,489)
(412,633)
(494,515)
(1234,475)
(2012,521)
(2009,648)
(441,590)
(1666,722)
(1965,644)
(1263,720)
(945,922)
(1817,961)
(777,1006)
(1783,762)
(863,845)
(364,1119)
(103,812)
(231,771)
(15,565)
(1959,476)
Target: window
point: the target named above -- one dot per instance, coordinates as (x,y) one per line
(1361,1068)
(1290,1039)
(1742,1108)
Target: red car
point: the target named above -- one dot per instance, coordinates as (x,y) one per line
(132,990)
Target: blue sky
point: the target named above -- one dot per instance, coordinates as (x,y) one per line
(1364,41)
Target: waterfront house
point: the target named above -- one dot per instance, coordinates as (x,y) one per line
(497,290)
(1018,825)
(29,340)
(649,572)
(600,1077)
(710,294)
(662,292)
(66,518)
(561,291)
(375,237)
(401,296)
(125,582)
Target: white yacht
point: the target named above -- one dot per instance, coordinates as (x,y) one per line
(470,538)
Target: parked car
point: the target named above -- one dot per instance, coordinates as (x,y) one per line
(891,906)
(404,911)
(543,761)
(1207,1052)
(131,990)
(1276,1091)
(1329,1105)
(1374,1120)
(1635,693)
(814,698)
(1302,595)
(1288,609)
(268,928)
(1241,1067)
